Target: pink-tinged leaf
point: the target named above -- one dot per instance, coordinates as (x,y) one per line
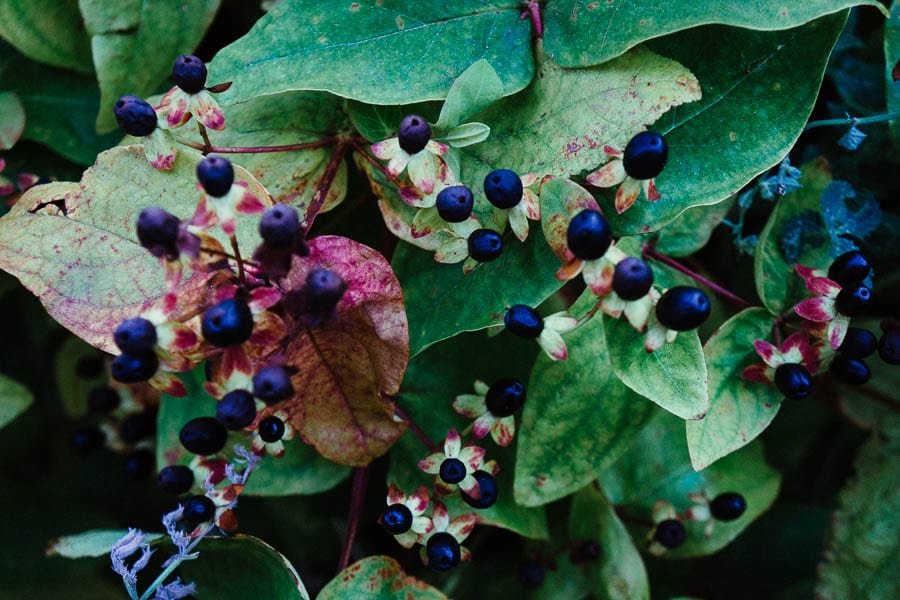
(235,360)
(168,383)
(426,222)
(398,163)
(431,464)
(837,330)
(436,148)
(350,361)
(262,298)
(570,269)
(465,555)
(819,310)
(207,110)
(794,348)
(249,204)
(440,517)
(462,526)
(268,329)
(598,276)
(519,222)
(161,149)
(452,444)
(552,343)
(766,350)
(808,272)
(470,486)
(503,431)
(177,108)
(612,173)
(757,372)
(473,456)
(470,405)
(386,149)
(649,187)
(422,171)
(419,500)
(483,425)
(394,495)
(627,194)
(822,286)
(561,200)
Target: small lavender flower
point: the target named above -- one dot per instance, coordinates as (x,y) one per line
(175,590)
(124,548)
(853,138)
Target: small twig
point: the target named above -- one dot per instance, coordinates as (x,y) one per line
(237,257)
(260,149)
(590,313)
(206,143)
(360,478)
(418,431)
(534,12)
(650,252)
(849,121)
(224,254)
(374,162)
(331,169)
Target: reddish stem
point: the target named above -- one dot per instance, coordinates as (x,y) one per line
(418,431)
(374,162)
(318,199)
(360,478)
(650,252)
(260,149)
(206,143)
(534,12)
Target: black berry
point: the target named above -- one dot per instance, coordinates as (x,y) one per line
(849,268)
(396,519)
(852,371)
(414,134)
(128,368)
(139,463)
(198,509)
(485,245)
(523,321)
(271,429)
(273,384)
(228,323)
(589,235)
(216,175)
(503,188)
(645,155)
(531,574)
(452,470)
(889,345)
(454,204)
(488,488)
(505,397)
(236,409)
(853,301)
(670,533)
(87,439)
(443,551)
(189,73)
(683,308)
(157,231)
(136,427)
(135,336)
(135,116)
(324,289)
(728,506)
(103,399)
(279,226)
(632,278)
(203,435)
(175,479)
(793,380)
(858,343)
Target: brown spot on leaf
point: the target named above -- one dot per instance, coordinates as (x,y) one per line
(732,136)
(354,7)
(592,5)
(400,23)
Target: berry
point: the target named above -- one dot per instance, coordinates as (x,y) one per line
(128,368)
(228,323)
(523,321)
(728,506)
(216,175)
(851,371)
(414,134)
(849,268)
(272,384)
(503,188)
(853,300)
(139,463)
(682,308)
(645,155)
(324,289)
(858,343)
(452,470)
(589,235)
(632,279)
(454,204)
(585,551)
(236,409)
(531,574)
(89,367)
(889,346)
(203,435)
(670,533)
(135,116)
(793,380)
(279,226)
(157,231)
(189,73)
(102,399)
(199,509)
(175,479)
(87,439)
(443,551)
(135,336)
(488,486)
(271,429)
(396,519)
(134,428)
(505,397)
(485,245)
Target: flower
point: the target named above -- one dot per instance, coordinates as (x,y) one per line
(460,528)
(177,106)
(275,448)
(456,463)
(417,503)
(550,340)
(823,308)
(657,333)
(211,210)
(613,173)
(424,167)
(474,406)
(796,349)
(529,207)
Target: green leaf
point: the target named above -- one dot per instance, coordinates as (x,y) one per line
(466,135)
(12,119)
(673,376)
(777,283)
(377,578)
(739,410)
(754,108)
(48,31)
(15,399)
(93,543)
(377,123)
(578,420)
(657,467)
(620,574)
(73,389)
(126,39)
(691,230)
(891,58)
(242,567)
(861,560)
(376,54)
(475,89)
(579,33)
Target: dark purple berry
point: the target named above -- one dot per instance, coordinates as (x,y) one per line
(189,73)
(505,397)
(199,509)
(793,381)
(87,439)
(589,235)
(728,506)
(279,226)
(585,551)
(324,289)
(523,321)
(273,384)
(454,204)
(414,134)
(851,371)
(236,409)
(157,231)
(443,551)
(228,323)
(849,269)
(139,463)
(216,175)
(682,308)
(645,155)
(396,519)
(128,368)
(135,336)
(271,429)
(135,116)
(203,436)
(452,470)
(853,301)
(487,485)
(858,343)
(136,427)
(485,245)
(175,479)
(531,574)
(889,345)
(670,533)
(103,399)
(503,188)
(632,279)
(89,367)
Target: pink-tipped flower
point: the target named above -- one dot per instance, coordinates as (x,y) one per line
(830,305)
(454,467)
(405,517)
(414,151)
(493,409)
(449,535)
(790,367)
(632,179)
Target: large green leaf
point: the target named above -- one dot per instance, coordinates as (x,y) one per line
(739,410)
(861,560)
(378,578)
(48,31)
(586,32)
(92,543)
(15,399)
(891,58)
(135,43)
(578,420)
(390,52)
(753,109)
(691,230)
(475,89)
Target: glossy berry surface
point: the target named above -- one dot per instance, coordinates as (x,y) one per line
(443,551)
(396,519)
(273,384)
(228,323)
(488,487)
(136,427)
(485,245)
(452,470)
(793,380)
(728,506)
(505,397)
(589,235)
(853,301)
(135,336)
(682,308)
(279,226)
(236,409)
(103,399)
(852,371)
(849,268)
(157,231)
(670,533)
(271,429)
(175,479)
(531,574)
(632,278)
(189,73)
(414,134)
(503,188)
(858,343)
(199,509)
(139,464)
(135,116)
(645,155)
(87,439)
(523,321)
(216,175)
(889,346)
(203,436)
(128,368)
(324,289)
(454,204)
